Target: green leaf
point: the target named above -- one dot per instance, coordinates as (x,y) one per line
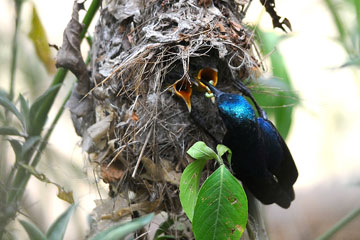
(24,109)
(122,230)
(17,147)
(221,208)
(338,20)
(6,234)
(165,237)
(7,104)
(222,149)
(37,35)
(163,228)
(9,131)
(37,115)
(33,231)
(201,151)
(58,228)
(4,93)
(28,146)
(354,61)
(189,186)
(356,5)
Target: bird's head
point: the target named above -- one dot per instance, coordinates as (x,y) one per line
(234,108)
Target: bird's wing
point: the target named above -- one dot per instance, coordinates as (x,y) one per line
(286,171)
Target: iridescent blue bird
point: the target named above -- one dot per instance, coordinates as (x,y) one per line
(261,158)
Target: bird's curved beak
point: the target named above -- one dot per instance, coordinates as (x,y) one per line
(183,88)
(213,89)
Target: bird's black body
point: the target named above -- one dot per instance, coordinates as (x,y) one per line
(261,159)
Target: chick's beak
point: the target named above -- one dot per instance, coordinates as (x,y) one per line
(207,75)
(183,88)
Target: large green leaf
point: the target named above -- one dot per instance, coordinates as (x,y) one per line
(120,231)
(189,186)
(37,114)
(33,231)
(58,228)
(221,208)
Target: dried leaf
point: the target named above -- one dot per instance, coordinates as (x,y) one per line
(221,27)
(134,116)
(69,55)
(112,173)
(79,106)
(146,206)
(95,134)
(158,173)
(205,3)
(64,195)
(38,36)
(236,25)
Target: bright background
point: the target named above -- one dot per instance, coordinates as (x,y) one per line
(324,137)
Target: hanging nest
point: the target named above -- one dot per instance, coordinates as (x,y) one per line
(135,128)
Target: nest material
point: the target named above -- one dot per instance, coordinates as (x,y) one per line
(141,129)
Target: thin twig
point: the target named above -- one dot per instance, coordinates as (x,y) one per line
(141,153)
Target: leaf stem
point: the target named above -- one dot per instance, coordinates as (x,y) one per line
(94,6)
(14,48)
(50,130)
(339,225)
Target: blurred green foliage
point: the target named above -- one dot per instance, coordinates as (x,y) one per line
(22,125)
(346,17)
(276,94)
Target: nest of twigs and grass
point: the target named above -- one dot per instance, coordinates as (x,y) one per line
(136,129)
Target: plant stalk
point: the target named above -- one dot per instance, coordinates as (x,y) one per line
(339,225)
(14,49)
